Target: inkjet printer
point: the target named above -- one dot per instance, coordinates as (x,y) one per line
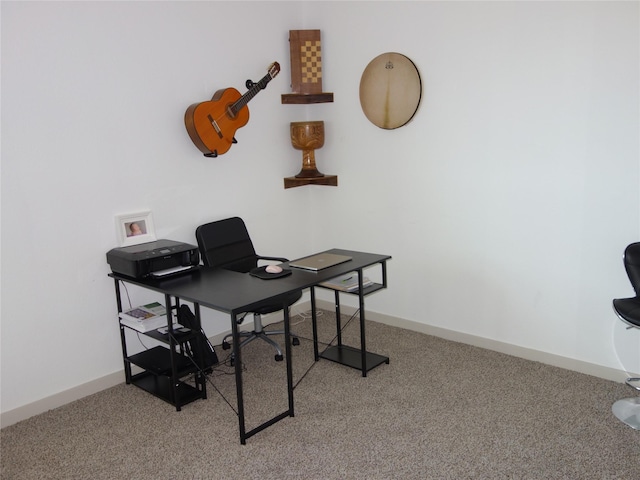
(156,259)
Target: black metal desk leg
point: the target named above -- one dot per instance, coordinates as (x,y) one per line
(314,324)
(123,340)
(201,376)
(336,302)
(238,364)
(363,343)
(287,341)
(172,349)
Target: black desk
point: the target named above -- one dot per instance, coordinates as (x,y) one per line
(235,293)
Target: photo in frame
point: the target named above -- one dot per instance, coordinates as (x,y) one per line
(135,228)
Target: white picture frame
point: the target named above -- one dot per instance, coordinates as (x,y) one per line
(135,228)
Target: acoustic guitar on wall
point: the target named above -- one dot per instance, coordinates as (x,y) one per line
(212,125)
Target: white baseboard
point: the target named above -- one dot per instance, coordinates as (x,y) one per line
(59,399)
(22,413)
(599,371)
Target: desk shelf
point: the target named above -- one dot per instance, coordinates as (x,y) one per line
(163,366)
(180,337)
(352,357)
(368,290)
(156,377)
(157,360)
(358,358)
(161,387)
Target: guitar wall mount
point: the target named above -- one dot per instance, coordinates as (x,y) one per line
(214,154)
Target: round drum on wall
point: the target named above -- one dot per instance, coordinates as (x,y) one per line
(390,90)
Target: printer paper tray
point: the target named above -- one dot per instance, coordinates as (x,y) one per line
(172,271)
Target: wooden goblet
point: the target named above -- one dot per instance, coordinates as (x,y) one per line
(308,136)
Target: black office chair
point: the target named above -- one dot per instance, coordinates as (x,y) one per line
(628,309)
(227,244)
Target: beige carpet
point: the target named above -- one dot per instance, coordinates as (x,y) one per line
(439,410)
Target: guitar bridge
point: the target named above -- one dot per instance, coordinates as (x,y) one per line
(215,126)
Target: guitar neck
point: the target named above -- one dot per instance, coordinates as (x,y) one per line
(252,92)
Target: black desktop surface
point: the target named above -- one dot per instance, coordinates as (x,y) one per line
(359,260)
(234,292)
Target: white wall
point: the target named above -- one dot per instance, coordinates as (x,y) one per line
(506,203)
(508,200)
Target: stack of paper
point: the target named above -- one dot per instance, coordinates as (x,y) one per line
(347,282)
(145,317)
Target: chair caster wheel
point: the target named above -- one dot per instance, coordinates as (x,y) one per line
(232,362)
(225,345)
(279,358)
(295,341)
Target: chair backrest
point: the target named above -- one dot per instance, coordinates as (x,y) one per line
(632,265)
(226,244)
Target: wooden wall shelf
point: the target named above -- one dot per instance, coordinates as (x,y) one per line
(306,98)
(305,52)
(331,180)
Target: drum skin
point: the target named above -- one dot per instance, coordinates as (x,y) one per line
(390,90)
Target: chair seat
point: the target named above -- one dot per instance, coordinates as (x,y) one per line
(275,304)
(628,309)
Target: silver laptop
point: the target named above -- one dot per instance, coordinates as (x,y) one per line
(319,261)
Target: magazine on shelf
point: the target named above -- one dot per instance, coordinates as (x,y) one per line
(347,282)
(145,317)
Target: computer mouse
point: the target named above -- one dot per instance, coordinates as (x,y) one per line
(273,269)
